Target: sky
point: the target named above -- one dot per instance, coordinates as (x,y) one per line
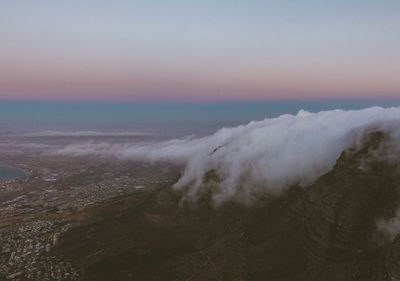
(199,50)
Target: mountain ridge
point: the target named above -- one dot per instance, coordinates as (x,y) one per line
(326,231)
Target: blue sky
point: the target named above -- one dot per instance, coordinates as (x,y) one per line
(199,50)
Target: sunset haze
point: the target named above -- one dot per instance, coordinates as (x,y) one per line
(199,50)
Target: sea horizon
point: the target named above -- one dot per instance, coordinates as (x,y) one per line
(165,119)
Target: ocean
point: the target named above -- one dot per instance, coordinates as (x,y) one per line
(10,173)
(163,119)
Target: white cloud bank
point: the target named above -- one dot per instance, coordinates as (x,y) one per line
(266,155)
(49,133)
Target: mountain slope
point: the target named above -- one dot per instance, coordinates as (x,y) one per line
(326,231)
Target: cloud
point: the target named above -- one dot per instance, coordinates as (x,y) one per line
(390,227)
(262,156)
(49,133)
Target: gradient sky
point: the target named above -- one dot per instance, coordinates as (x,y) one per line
(199,50)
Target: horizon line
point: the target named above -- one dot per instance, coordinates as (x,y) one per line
(217,101)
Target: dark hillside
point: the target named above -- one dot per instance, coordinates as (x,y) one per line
(327,231)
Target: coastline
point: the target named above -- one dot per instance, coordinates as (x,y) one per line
(10,173)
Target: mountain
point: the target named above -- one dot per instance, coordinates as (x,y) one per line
(329,230)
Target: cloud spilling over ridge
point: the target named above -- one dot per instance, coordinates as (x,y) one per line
(262,156)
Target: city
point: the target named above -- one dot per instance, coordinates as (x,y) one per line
(37,210)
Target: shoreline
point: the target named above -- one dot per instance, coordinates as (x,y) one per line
(19,173)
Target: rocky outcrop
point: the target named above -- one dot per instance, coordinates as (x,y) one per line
(341,214)
(326,231)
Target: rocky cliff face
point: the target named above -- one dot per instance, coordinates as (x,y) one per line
(341,214)
(327,231)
